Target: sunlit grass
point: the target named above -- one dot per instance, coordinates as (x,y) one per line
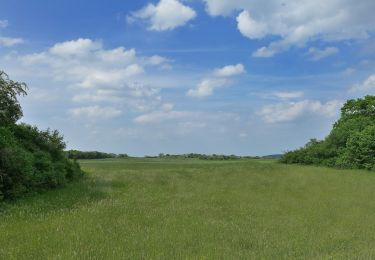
(164,209)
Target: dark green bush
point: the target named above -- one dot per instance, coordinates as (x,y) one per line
(351,143)
(31,160)
(74,154)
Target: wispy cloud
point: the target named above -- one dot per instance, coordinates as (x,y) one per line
(318,54)
(288,94)
(95,112)
(365,86)
(9,41)
(218,78)
(4,24)
(289,111)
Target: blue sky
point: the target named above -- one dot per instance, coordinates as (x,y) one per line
(209,76)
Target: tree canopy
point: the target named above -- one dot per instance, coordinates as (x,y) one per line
(351,143)
(10,108)
(31,160)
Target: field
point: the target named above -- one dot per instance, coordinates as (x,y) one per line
(192,209)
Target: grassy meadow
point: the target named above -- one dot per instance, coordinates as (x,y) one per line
(195,209)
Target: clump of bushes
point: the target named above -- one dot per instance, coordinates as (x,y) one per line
(75,154)
(351,143)
(220,157)
(31,160)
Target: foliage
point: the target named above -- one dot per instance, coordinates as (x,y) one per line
(204,156)
(77,155)
(351,143)
(10,108)
(31,160)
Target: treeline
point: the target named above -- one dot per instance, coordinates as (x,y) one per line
(75,154)
(31,160)
(351,143)
(204,156)
(83,155)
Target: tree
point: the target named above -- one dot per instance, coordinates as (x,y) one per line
(10,108)
(31,160)
(351,143)
(361,149)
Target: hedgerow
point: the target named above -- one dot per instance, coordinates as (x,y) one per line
(31,160)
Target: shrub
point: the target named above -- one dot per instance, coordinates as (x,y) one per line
(351,143)
(31,160)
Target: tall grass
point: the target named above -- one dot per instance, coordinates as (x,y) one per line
(191,209)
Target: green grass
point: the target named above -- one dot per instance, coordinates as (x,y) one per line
(191,209)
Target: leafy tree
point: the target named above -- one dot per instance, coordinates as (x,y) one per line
(74,154)
(10,108)
(360,150)
(350,143)
(31,160)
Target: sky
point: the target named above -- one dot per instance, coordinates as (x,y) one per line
(246,77)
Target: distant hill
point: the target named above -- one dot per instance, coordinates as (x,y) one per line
(272,156)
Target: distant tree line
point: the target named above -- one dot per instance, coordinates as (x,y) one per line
(205,156)
(351,143)
(83,155)
(31,160)
(79,155)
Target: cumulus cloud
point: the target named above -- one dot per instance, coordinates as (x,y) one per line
(296,23)
(206,87)
(166,15)
(75,48)
(317,54)
(96,76)
(289,111)
(249,27)
(365,86)
(217,79)
(230,70)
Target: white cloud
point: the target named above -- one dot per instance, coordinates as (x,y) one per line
(249,27)
(289,111)
(4,24)
(206,87)
(9,42)
(264,52)
(317,54)
(95,112)
(157,60)
(217,79)
(230,70)
(166,15)
(76,47)
(367,85)
(95,76)
(288,94)
(296,23)
(86,63)
(160,116)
